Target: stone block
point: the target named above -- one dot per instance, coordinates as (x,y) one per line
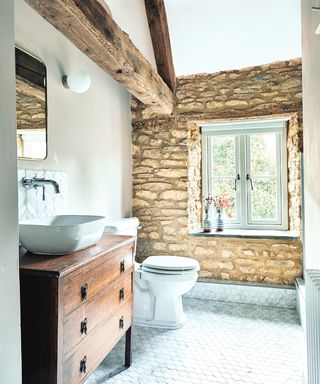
(225,265)
(177,247)
(152,153)
(179,133)
(146,195)
(174,195)
(140,203)
(172,173)
(159,246)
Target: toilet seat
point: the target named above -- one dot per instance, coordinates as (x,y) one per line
(167,277)
(170,265)
(176,272)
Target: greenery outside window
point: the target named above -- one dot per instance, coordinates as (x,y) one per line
(247,162)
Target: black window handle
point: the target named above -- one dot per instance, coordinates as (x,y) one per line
(122,267)
(249,178)
(235,181)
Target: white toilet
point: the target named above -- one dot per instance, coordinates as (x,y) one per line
(160,282)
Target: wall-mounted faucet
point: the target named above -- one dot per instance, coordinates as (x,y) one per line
(37,182)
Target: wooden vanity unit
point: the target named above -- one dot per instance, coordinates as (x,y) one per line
(74,309)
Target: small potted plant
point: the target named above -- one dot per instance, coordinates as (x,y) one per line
(220,202)
(207,225)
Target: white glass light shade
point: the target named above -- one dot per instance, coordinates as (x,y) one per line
(78,82)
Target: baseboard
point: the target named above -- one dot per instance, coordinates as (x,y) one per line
(271,296)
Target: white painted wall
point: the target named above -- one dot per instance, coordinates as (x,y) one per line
(215,35)
(131,16)
(10,361)
(311,128)
(89,134)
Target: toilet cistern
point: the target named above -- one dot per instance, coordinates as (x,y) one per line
(37,182)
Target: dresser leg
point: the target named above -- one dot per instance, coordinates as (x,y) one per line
(128,350)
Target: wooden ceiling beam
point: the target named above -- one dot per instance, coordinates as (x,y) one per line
(89,27)
(159,30)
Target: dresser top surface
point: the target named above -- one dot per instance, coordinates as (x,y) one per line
(62,265)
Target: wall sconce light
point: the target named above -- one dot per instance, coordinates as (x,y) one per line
(78,82)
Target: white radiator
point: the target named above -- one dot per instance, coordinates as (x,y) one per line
(312,279)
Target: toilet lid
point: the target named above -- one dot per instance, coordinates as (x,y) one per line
(175,272)
(171,263)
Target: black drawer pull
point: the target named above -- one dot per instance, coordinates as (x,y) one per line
(83,365)
(84,326)
(121,294)
(121,323)
(84,291)
(122,267)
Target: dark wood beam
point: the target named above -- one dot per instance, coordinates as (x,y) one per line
(30,68)
(158,24)
(91,28)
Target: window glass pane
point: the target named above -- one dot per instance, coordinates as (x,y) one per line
(263,150)
(223,152)
(264,199)
(223,172)
(225,188)
(263,171)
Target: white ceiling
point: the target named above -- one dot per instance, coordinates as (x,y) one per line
(214,35)
(131,16)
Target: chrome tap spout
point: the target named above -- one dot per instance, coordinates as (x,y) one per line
(36,182)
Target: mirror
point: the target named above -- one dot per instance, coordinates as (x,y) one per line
(31,106)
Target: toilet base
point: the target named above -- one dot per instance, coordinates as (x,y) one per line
(160,324)
(165,311)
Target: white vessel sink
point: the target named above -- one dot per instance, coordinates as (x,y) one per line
(60,235)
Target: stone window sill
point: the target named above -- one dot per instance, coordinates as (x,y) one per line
(250,233)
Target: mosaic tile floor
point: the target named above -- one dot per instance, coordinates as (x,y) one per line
(222,343)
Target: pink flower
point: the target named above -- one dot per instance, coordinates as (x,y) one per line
(221,202)
(224,202)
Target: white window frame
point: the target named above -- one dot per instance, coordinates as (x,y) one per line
(278,126)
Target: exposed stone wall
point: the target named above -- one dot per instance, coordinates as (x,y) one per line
(256,91)
(167,171)
(30,106)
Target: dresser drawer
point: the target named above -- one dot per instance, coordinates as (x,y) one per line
(81,323)
(84,283)
(92,350)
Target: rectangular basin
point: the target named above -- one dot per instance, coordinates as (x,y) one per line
(60,235)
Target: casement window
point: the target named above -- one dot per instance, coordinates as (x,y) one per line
(247,162)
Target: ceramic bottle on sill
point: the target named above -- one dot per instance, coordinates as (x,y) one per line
(219,221)
(207,225)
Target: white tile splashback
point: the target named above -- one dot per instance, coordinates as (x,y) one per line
(31,204)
